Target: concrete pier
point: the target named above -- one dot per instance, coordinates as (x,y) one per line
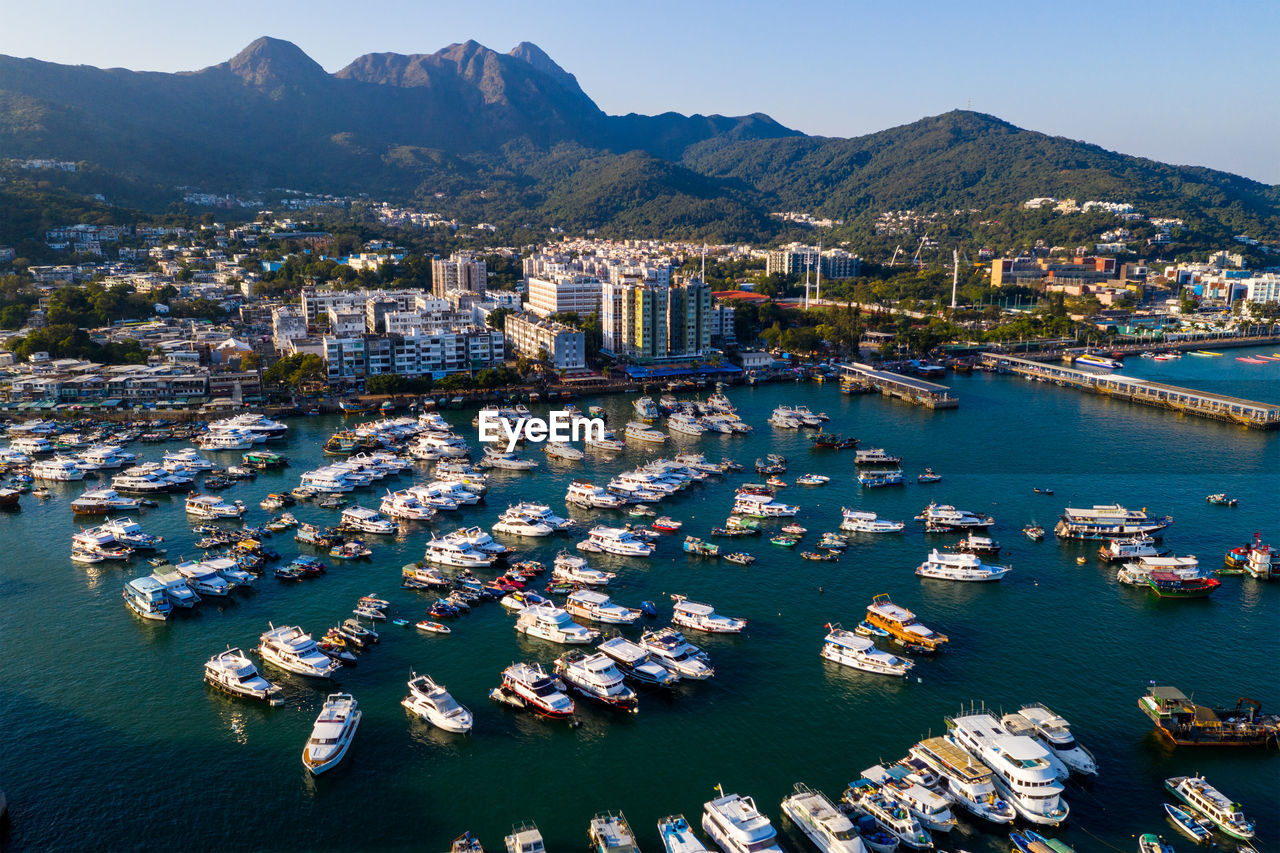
(907,388)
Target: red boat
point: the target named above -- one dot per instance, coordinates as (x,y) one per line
(535,690)
(1174,585)
(666,524)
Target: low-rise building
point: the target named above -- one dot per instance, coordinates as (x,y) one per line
(526,334)
(560,293)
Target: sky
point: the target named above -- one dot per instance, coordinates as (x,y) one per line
(1183,82)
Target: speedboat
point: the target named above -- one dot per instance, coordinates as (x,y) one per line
(737,826)
(849,649)
(527,685)
(548,622)
(331,737)
(596,677)
(703,617)
(294,651)
(670,649)
(826,826)
(233,672)
(432,702)
(636,662)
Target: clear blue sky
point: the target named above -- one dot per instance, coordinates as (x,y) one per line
(1183,82)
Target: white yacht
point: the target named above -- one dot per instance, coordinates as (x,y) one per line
(1019,726)
(213,507)
(584,494)
(105,457)
(228,569)
(404,505)
(637,663)
(327,480)
(618,540)
(899,782)
(259,425)
(524,838)
(146,597)
(702,617)
(574,569)
(364,520)
(532,688)
(102,502)
(332,734)
(229,439)
(506,461)
(454,493)
(541,513)
(562,451)
(96,540)
(969,782)
(58,470)
(289,648)
(477,540)
(31,445)
(783,418)
(826,826)
(850,649)
(140,480)
(1221,810)
(645,433)
(687,424)
(858,521)
(176,588)
(596,677)
(514,524)
(762,506)
(869,798)
(597,607)
(233,672)
(448,553)
(1129,549)
(669,648)
(607,443)
(737,826)
(1022,772)
(188,458)
(128,532)
(203,579)
(945,516)
(959,567)
(548,622)
(1054,733)
(432,702)
(875,456)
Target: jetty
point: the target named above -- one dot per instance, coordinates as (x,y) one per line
(908,388)
(1189,401)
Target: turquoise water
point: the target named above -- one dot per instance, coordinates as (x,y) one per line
(112,740)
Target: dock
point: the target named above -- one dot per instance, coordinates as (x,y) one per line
(1218,407)
(908,388)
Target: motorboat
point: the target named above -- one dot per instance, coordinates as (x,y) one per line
(506,461)
(233,672)
(571,568)
(1139,571)
(606,443)
(289,648)
(944,517)
(880,478)
(103,502)
(967,780)
(406,506)
(677,836)
(762,506)
(901,624)
(432,702)
(525,838)
(686,424)
(541,513)
(1022,771)
(363,520)
(446,552)
(531,687)
(139,480)
(1223,812)
(105,457)
(636,662)
(331,737)
(213,507)
(584,494)
(513,523)
(875,456)
(477,539)
(812,480)
(1129,549)
(644,433)
(817,817)
(57,469)
(736,826)
(1054,733)
(1109,521)
(859,521)
(849,649)
(188,458)
(702,617)
(561,451)
(204,579)
(669,648)
(596,677)
(551,623)
(176,588)
(620,541)
(597,607)
(1188,824)
(959,567)
(646,409)
(146,597)
(259,425)
(610,833)
(902,782)
(975,544)
(96,540)
(868,798)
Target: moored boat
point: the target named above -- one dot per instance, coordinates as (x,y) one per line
(332,734)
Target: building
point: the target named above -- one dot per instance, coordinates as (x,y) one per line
(688,318)
(560,293)
(633,317)
(526,334)
(723,333)
(287,323)
(1025,270)
(795,259)
(346,321)
(460,272)
(350,360)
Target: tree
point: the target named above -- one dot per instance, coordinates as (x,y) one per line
(294,371)
(13,316)
(386,383)
(251,360)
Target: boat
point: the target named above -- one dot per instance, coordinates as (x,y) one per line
(292,650)
(741,558)
(562,451)
(762,506)
(620,541)
(959,567)
(1109,521)
(901,624)
(677,836)
(914,786)
(698,547)
(597,607)
(1178,585)
(833,441)
(670,649)
(867,798)
(637,662)
(1187,824)
(447,552)
(584,494)
(703,617)
(363,520)
(1128,549)
(849,649)
(736,826)
(233,672)
(527,685)
(812,480)
(967,780)
(96,540)
(1225,814)
(1034,532)
(596,677)
(644,433)
(553,624)
(466,843)
(817,817)
(666,524)
(516,524)
(686,424)
(1019,726)
(146,597)
(213,507)
(203,578)
(1091,360)
(646,409)
(524,838)
(1149,842)
(57,470)
(433,627)
(506,461)
(331,737)
(607,443)
(875,456)
(1054,733)
(352,550)
(928,477)
(858,521)
(1221,499)
(975,544)
(432,702)
(944,517)
(880,478)
(1022,771)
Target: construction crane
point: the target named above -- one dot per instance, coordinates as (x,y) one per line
(915,259)
(896,252)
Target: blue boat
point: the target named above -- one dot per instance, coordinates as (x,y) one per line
(677,835)
(1187,824)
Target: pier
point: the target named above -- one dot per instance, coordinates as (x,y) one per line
(906,388)
(1217,407)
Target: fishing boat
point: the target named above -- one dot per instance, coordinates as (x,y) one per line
(1187,824)
(740,558)
(959,567)
(736,826)
(233,672)
(901,624)
(849,649)
(1221,499)
(1225,814)
(859,521)
(433,703)
(331,737)
(702,617)
(677,836)
(694,545)
(597,678)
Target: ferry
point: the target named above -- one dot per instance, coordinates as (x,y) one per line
(1109,521)
(146,597)
(1091,360)
(702,617)
(677,836)
(645,433)
(849,649)
(233,672)
(432,702)
(967,780)
(900,623)
(737,826)
(1206,799)
(671,650)
(331,737)
(1186,723)
(1021,768)
(597,678)
(959,567)
(817,817)
(550,623)
(859,521)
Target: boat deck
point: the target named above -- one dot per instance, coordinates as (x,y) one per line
(955,758)
(908,388)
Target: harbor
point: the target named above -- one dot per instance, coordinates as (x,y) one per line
(909,389)
(1023,640)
